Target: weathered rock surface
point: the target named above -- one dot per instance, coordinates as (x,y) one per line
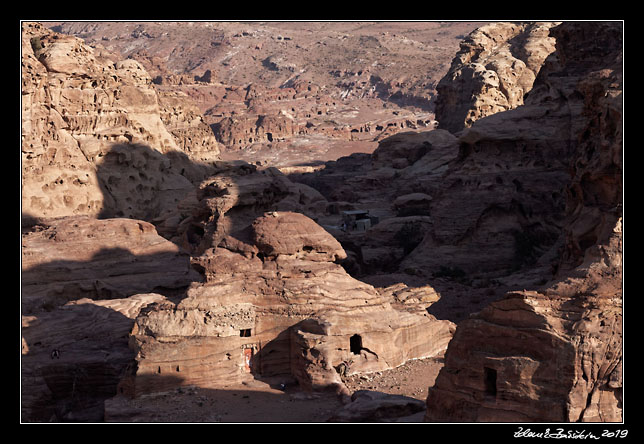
(82,257)
(78,106)
(529,198)
(292,235)
(494,69)
(331,88)
(498,191)
(73,357)
(548,356)
(518,199)
(83,282)
(275,303)
(224,205)
(555,355)
(185,122)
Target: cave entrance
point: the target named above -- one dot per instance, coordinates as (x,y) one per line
(269,136)
(489,376)
(355,343)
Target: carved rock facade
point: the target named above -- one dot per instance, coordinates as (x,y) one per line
(555,354)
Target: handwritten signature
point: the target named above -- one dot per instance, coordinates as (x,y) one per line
(561,433)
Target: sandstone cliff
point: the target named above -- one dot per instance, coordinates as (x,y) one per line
(493,70)
(246,282)
(274,303)
(527,200)
(270,279)
(555,354)
(78,104)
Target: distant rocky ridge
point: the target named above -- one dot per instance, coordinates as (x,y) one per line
(266,86)
(283,54)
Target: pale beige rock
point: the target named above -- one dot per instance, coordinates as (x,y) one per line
(187,125)
(77,107)
(494,69)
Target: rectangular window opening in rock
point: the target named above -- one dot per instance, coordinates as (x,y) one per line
(489,376)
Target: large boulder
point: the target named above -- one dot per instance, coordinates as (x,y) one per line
(292,233)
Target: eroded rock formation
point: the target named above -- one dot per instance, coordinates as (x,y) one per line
(83,282)
(74,356)
(493,70)
(78,104)
(275,303)
(526,200)
(555,354)
(81,257)
(249,282)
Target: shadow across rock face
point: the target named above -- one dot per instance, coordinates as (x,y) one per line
(275,302)
(554,354)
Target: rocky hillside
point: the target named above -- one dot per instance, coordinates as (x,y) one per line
(292,93)
(274,54)
(555,354)
(242,284)
(151,268)
(526,202)
(82,106)
(492,72)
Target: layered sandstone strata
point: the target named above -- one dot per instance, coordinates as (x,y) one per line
(497,192)
(74,356)
(81,257)
(520,198)
(83,282)
(507,195)
(243,131)
(275,303)
(555,354)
